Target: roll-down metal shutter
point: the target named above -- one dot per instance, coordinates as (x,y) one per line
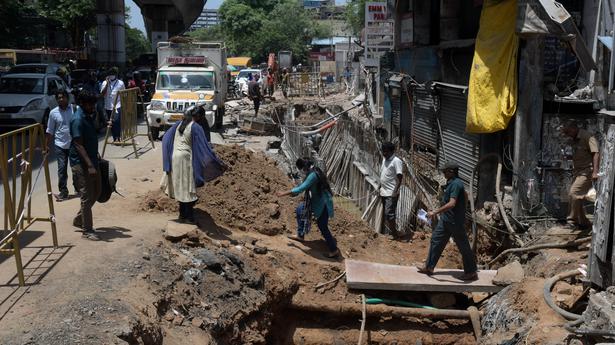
(460,146)
(425,130)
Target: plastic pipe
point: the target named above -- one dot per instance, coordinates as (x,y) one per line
(395,302)
(379,310)
(549,299)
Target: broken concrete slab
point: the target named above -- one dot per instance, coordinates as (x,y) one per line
(376,276)
(509,274)
(176,231)
(600,312)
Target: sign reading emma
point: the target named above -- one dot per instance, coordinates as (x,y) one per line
(376,11)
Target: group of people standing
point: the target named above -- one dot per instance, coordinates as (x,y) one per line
(72,134)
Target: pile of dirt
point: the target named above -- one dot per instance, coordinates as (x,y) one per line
(243,198)
(519,315)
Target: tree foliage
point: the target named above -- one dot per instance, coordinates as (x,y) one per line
(21,27)
(214,33)
(136,43)
(256,28)
(355,15)
(75,16)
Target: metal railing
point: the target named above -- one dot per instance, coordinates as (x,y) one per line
(19,152)
(128,100)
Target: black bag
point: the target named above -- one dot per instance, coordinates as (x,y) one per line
(108,179)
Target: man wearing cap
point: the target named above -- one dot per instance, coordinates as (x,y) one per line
(451,223)
(586,162)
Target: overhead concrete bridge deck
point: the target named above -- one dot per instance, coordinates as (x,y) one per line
(163,19)
(167,18)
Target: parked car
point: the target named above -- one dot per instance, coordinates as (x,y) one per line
(39,68)
(241,82)
(27,98)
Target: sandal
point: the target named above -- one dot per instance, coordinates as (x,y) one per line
(296,238)
(425,270)
(469,276)
(90,235)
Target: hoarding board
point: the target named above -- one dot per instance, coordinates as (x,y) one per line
(379,32)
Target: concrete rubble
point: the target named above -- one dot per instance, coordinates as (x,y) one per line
(176,231)
(509,274)
(600,312)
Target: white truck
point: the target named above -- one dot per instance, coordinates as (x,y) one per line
(188,74)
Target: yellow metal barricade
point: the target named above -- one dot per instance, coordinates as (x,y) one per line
(128,120)
(20,150)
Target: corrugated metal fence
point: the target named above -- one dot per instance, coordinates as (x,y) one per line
(350,156)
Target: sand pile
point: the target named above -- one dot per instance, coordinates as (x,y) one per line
(243,198)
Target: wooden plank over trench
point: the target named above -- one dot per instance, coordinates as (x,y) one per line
(375,276)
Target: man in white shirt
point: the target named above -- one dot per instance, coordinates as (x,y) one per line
(58,131)
(391,174)
(109,90)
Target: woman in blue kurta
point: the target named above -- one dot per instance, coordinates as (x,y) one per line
(318,200)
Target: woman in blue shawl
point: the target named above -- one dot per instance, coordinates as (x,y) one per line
(188,161)
(318,200)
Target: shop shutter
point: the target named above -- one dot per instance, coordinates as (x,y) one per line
(425,130)
(460,146)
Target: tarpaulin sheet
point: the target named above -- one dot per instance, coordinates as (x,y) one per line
(492,97)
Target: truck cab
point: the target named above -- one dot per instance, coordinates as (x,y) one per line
(189,75)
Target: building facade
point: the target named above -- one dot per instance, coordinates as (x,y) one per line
(207,19)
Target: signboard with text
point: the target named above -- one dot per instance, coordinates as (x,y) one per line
(379,32)
(186,60)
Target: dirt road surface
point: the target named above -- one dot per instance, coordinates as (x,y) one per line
(232,280)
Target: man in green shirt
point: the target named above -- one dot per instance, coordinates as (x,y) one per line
(84,162)
(451,223)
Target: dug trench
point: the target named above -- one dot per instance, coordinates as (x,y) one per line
(238,279)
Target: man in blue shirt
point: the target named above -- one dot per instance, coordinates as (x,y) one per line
(58,131)
(84,162)
(452,223)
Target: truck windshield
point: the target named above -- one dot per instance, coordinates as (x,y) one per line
(21,85)
(181,80)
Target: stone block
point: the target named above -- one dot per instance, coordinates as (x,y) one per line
(509,274)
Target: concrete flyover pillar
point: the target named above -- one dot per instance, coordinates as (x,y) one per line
(110,32)
(159,30)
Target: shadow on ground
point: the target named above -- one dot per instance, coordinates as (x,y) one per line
(43,261)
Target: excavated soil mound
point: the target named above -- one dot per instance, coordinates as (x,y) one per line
(243,198)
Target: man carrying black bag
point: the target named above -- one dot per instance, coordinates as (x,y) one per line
(83,158)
